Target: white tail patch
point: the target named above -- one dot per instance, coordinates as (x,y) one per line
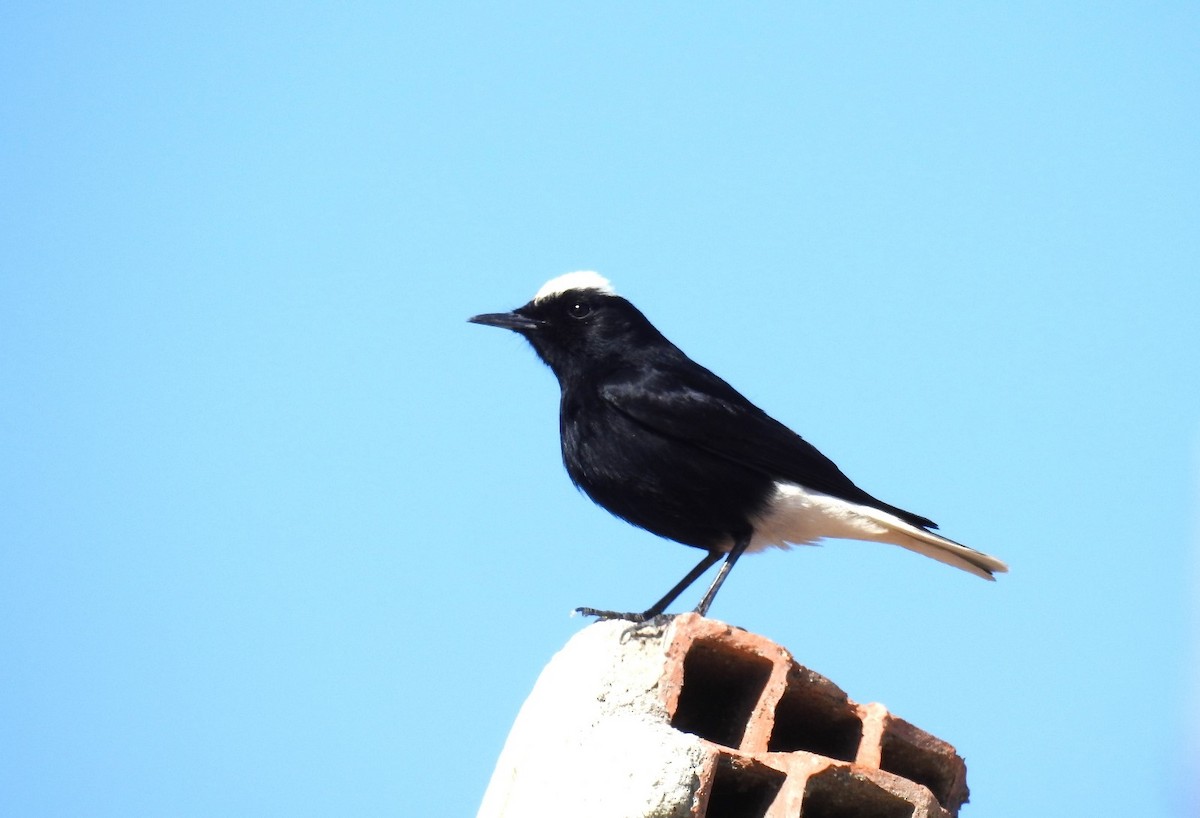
(581,280)
(797,516)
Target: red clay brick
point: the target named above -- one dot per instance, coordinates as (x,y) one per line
(777,728)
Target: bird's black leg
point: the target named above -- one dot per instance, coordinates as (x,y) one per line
(681,586)
(670,596)
(738,548)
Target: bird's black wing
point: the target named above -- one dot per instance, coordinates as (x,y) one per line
(692,405)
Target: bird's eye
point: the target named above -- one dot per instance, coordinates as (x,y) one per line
(579,310)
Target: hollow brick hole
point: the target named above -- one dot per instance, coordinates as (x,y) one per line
(902,752)
(839,793)
(815,716)
(721,687)
(742,789)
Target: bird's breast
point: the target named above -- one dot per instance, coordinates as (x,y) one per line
(665,485)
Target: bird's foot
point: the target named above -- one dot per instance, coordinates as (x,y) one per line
(606,615)
(644,624)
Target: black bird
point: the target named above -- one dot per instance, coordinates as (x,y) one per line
(666,445)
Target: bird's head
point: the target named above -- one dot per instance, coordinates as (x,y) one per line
(577,321)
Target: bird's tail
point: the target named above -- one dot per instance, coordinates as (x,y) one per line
(898,532)
(798,515)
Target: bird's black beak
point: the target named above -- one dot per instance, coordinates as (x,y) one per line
(506,320)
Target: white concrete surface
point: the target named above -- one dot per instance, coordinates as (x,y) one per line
(592,740)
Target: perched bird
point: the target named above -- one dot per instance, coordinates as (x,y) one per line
(666,445)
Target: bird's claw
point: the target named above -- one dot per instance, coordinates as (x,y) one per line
(606,615)
(642,625)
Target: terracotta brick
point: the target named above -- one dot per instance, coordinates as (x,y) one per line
(780,729)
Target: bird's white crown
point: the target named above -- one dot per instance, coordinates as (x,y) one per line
(581,280)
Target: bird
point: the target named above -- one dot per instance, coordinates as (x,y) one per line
(663,443)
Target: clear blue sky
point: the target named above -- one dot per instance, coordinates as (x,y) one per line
(282,534)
